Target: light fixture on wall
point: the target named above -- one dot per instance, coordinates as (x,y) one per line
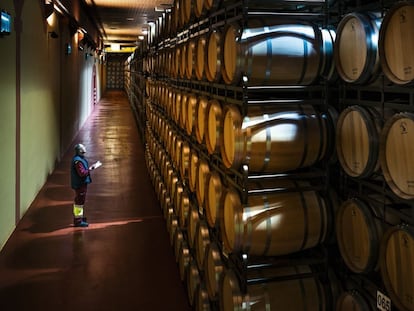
(49,8)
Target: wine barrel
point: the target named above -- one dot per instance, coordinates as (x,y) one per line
(202,303)
(203,170)
(301,293)
(177,106)
(396,261)
(190,62)
(179,189)
(214,55)
(200,56)
(172,228)
(211,5)
(191,114)
(200,125)
(184,160)
(184,259)
(266,53)
(357,140)
(396,151)
(275,138)
(396,43)
(186,11)
(275,223)
(198,8)
(183,60)
(213,128)
(192,221)
(192,171)
(184,209)
(355,300)
(214,191)
(201,241)
(213,270)
(182,118)
(356,47)
(193,279)
(178,240)
(359,229)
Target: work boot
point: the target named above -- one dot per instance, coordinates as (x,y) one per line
(79,222)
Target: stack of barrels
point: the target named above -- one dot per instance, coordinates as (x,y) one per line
(374,142)
(197,141)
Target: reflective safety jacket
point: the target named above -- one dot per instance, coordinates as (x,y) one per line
(79,172)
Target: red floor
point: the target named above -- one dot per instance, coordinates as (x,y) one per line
(123,260)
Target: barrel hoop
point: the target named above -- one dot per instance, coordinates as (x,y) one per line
(306,218)
(248,231)
(268,226)
(306,138)
(322,136)
(305,62)
(302,288)
(266,159)
(323,220)
(269,59)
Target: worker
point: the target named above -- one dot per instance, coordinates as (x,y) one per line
(80,178)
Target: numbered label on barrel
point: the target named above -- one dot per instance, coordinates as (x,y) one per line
(383,302)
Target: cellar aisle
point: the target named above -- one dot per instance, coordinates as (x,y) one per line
(123,260)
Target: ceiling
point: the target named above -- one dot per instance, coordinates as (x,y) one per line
(123,21)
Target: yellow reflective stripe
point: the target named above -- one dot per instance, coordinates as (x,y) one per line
(77,210)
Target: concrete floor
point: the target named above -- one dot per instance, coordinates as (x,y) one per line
(123,260)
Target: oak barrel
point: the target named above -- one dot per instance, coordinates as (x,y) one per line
(213,195)
(213,123)
(198,8)
(192,171)
(184,259)
(213,56)
(191,114)
(214,268)
(200,125)
(301,293)
(397,268)
(202,302)
(357,140)
(184,208)
(200,56)
(275,223)
(396,43)
(396,154)
(193,279)
(356,47)
(203,170)
(190,62)
(286,53)
(355,300)
(201,241)
(359,230)
(192,221)
(275,138)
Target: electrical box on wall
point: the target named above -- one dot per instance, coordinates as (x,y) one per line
(5,23)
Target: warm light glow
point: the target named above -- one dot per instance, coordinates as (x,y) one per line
(115,47)
(51,20)
(141,37)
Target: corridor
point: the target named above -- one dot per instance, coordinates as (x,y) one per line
(123,260)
